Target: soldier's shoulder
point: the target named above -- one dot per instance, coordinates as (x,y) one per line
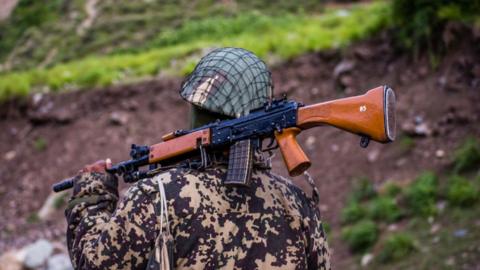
(287,188)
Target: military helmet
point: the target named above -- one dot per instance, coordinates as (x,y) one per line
(229,81)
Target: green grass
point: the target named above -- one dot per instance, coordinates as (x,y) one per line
(283,36)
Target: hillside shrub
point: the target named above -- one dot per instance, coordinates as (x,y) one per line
(421,195)
(360,236)
(467,156)
(353,212)
(363,189)
(384,209)
(461,192)
(396,247)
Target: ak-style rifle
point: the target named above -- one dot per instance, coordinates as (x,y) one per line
(372,116)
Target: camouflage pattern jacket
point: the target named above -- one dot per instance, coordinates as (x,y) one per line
(270,225)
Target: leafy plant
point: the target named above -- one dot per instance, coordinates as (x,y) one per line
(384,209)
(461,192)
(467,156)
(421,194)
(363,189)
(396,247)
(361,235)
(391,189)
(353,212)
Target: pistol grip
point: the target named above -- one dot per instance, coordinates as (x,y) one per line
(293,156)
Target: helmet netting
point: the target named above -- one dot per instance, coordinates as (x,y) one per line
(230,81)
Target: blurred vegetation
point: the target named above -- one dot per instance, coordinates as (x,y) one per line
(396,247)
(40,144)
(384,208)
(421,24)
(176,50)
(416,223)
(361,235)
(467,156)
(462,192)
(421,195)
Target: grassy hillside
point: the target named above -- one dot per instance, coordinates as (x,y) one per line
(122,47)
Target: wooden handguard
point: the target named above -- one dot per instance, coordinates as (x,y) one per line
(181,145)
(295,159)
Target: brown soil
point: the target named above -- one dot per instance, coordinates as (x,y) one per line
(49,138)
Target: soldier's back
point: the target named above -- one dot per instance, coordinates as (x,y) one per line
(271,224)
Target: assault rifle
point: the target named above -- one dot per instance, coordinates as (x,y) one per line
(372,116)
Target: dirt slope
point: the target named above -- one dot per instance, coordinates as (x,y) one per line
(51,136)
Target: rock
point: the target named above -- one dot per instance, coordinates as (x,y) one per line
(392,227)
(421,129)
(11,260)
(366,259)
(363,52)
(50,205)
(441,206)
(59,262)
(37,253)
(118,118)
(460,233)
(401,162)
(334,147)
(45,114)
(342,68)
(310,142)
(315,91)
(346,80)
(435,228)
(372,156)
(343,13)
(450,261)
(439,153)
(37,98)
(10,155)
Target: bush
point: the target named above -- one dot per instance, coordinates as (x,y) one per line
(391,189)
(420,23)
(397,247)
(353,212)
(360,236)
(362,190)
(384,209)
(421,194)
(461,192)
(467,156)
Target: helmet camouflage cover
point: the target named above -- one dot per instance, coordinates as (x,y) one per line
(229,81)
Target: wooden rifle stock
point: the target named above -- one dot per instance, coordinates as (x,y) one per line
(370,115)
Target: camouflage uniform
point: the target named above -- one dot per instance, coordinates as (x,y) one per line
(270,225)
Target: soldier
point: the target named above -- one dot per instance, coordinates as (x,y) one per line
(186,217)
